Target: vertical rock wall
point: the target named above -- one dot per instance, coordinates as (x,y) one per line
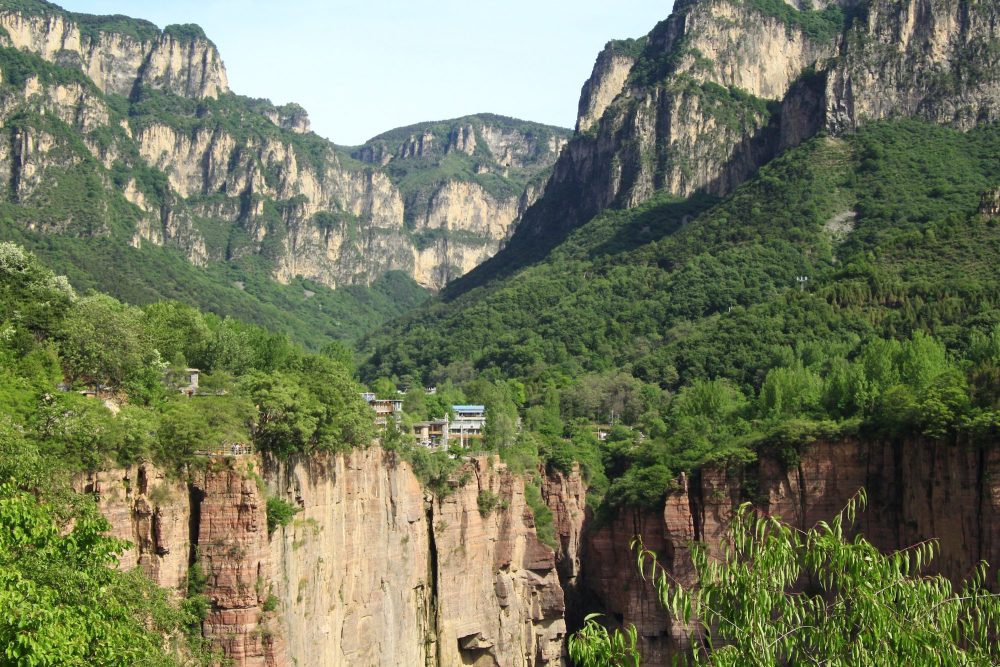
(353,569)
(371,571)
(232,550)
(916,491)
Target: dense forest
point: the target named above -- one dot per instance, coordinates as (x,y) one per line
(848,288)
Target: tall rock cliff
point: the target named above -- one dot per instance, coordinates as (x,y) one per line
(143,123)
(917,490)
(372,570)
(722,86)
(119,55)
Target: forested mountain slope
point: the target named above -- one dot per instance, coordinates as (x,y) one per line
(125,148)
(723,86)
(843,286)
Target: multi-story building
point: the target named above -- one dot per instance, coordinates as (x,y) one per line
(468,423)
(433,433)
(385,408)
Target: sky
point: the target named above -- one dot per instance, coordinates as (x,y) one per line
(364,67)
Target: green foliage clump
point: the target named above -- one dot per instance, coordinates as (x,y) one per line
(861,606)
(256,387)
(279,513)
(63,599)
(820,25)
(186,32)
(487,501)
(544,528)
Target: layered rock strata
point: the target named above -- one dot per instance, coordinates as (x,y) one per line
(372,570)
(135,104)
(916,491)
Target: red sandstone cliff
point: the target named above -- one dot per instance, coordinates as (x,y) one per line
(916,491)
(371,571)
(375,571)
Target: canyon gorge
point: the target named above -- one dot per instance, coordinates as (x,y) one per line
(375,570)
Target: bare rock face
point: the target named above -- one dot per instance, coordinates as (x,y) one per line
(354,568)
(916,491)
(922,58)
(372,570)
(611,71)
(500,601)
(151,510)
(720,87)
(375,571)
(249,166)
(232,551)
(118,62)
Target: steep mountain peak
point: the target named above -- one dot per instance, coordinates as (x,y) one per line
(723,86)
(118,53)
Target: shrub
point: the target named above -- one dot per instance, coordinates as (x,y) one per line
(279,513)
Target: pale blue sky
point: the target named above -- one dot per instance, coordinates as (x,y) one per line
(361,68)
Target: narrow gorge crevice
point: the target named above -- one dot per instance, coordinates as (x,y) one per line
(432,605)
(195,498)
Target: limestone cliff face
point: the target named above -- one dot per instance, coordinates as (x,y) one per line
(721,86)
(922,58)
(151,510)
(249,171)
(459,222)
(117,62)
(611,71)
(372,570)
(660,115)
(916,491)
(355,581)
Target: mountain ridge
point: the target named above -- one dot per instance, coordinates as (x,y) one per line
(146,117)
(723,86)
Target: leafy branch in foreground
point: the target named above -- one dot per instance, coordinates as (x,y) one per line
(777,595)
(594,646)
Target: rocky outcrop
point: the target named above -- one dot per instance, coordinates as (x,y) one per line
(921,58)
(916,490)
(376,572)
(607,81)
(354,567)
(151,510)
(500,601)
(118,62)
(721,87)
(372,570)
(684,110)
(232,551)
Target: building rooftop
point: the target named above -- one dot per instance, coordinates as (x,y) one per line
(469,408)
